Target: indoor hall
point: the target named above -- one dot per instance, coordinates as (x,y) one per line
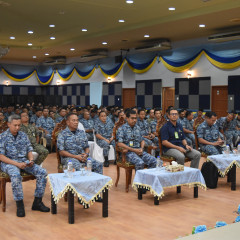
(113,53)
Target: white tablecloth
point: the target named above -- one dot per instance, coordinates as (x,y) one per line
(87,188)
(156,180)
(224,162)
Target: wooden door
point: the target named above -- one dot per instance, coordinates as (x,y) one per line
(220,100)
(128,95)
(168,97)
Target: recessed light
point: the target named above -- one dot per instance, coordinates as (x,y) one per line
(171,8)
(51,25)
(129,1)
(121,20)
(104,43)
(30,32)
(146,36)
(202,25)
(72,49)
(46,54)
(12,38)
(34,56)
(84,30)
(29,44)
(52,38)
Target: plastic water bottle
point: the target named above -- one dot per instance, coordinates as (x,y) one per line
(89,166)
(227,149)
(159,163)
(70,169)
(238,149)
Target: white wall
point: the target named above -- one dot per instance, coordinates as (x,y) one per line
(202,69)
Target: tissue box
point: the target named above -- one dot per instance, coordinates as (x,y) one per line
(175,168)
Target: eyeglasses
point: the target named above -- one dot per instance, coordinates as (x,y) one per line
(174,114)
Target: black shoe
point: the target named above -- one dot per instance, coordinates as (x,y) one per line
(20,208)
(38,205)
(99,200)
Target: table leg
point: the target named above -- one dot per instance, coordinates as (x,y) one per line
(232,175)
(139,193)
(53,206)
(195,191)
(156,201)
(178,189)
(70,207)
(105,204)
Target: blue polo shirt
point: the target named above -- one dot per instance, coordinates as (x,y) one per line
(173,134)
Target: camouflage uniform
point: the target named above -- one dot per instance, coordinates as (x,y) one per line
(106,131)
(34,119)
(75,143)
(210,134)
(47,124)
(127,135)
(180,120)
(32,132)
(17,149)
(145,130)
(229,129)
(190,137)
(88,124)
(59,119)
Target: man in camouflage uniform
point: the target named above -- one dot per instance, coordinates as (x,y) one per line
(15,155)
(88,125)
(148,137)
(187,125)
(104,135)
(227,126)
(33,135)
(209,135)
(46,124)
(36,116)
(72,144)
(62,115)
(129,137)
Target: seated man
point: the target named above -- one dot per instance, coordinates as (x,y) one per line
(227,126)
(16,155)
(129,137)
(62,115)
(174,142)
(72,144)
(88,125)
(187,125)
(33,136)
(46,124)
(104,135)
(209,135)
(36,116)
(148,137)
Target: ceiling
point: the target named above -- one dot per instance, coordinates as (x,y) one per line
(100,18)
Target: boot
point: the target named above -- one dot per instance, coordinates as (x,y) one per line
(106,162)
(20,208)
(38,205)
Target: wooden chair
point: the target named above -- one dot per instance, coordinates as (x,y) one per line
(4,178)
(121,159)
(58,128)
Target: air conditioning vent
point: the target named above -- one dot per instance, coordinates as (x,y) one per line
(55,60)
(224,37)
(165,45)
(94,55)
